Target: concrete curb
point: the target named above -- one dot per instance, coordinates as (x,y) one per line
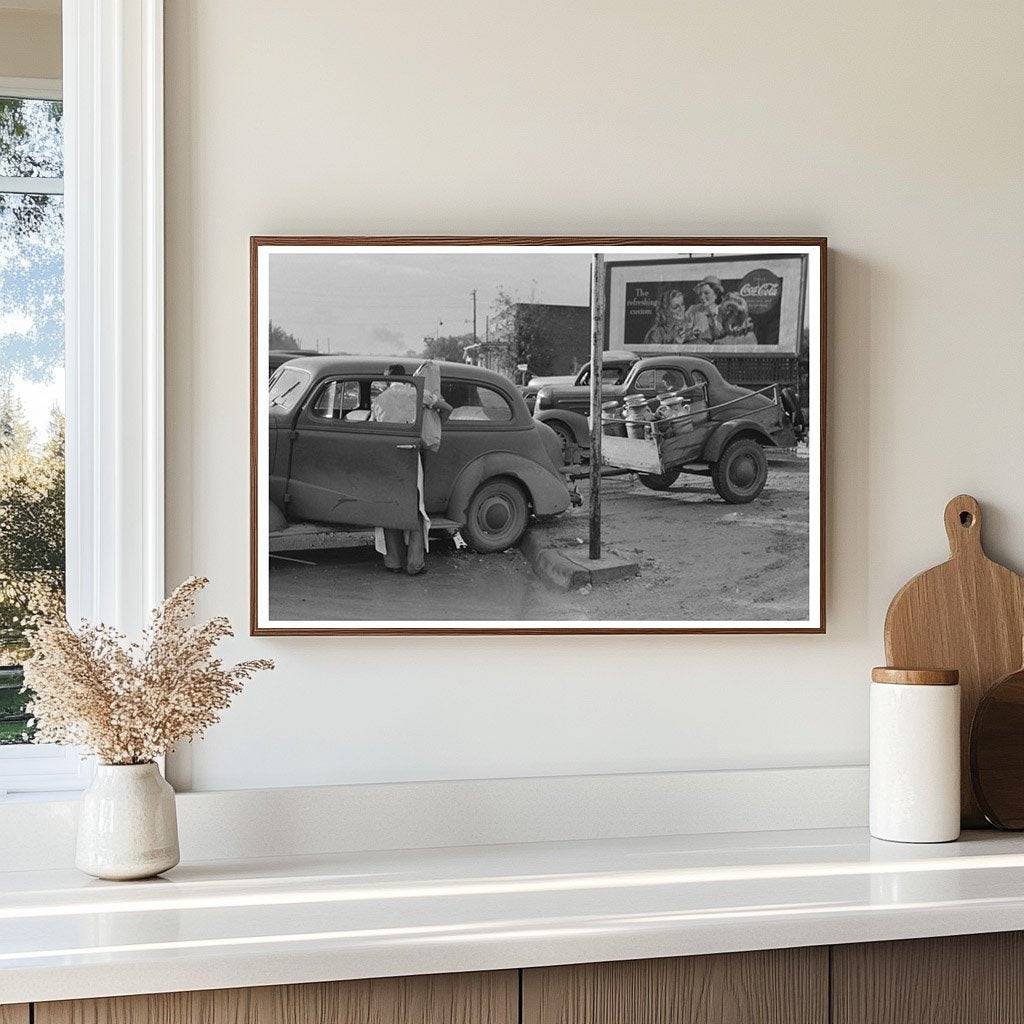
(569,568)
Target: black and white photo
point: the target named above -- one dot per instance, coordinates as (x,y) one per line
(425,458)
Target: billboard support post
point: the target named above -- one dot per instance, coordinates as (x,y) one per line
(597,315)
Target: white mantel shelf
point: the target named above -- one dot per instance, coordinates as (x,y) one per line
(263,922)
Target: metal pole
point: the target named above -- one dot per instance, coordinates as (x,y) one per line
(597,314)
(474,316)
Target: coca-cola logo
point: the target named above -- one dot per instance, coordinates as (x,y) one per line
(761,290)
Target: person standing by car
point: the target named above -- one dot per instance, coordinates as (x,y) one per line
(397,404)
(703,325)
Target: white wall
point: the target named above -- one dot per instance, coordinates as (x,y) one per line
(895,129)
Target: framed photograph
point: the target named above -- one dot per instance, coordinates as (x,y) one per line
(433,449)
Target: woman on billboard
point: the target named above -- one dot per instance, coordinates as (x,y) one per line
(702,323)
(669,327)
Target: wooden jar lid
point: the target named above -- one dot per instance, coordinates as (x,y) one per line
(916,676)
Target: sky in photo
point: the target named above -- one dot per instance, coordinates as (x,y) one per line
(384,304)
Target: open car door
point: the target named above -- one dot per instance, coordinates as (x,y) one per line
(349,469)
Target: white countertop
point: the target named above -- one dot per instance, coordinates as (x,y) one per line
(261,922)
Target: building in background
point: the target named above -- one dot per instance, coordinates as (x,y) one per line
(532,339)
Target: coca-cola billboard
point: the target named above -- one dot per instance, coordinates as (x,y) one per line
(745,304)
(761,290)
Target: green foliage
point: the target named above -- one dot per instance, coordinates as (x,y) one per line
(31,138)
(32,553)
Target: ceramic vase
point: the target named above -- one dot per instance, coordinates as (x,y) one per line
(127,825)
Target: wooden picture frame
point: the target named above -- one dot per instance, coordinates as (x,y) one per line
(262,248)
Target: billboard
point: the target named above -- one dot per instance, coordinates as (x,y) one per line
(708,305)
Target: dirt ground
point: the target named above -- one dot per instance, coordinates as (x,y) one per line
(699,559)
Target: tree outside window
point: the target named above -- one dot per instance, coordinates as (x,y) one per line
(32,556)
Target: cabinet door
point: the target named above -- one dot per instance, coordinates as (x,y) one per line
(962,979)
(778,986)
(483,998)
(14,1013)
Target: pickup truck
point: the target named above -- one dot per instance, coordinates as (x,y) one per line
(722,434)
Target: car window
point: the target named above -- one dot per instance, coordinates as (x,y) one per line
(609,374)
(287,386)
(334,399)
(473,402)
(364,401)
(661,378)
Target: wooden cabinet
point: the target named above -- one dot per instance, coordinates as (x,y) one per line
(970,979)
(776,986)
(963,979)
(490,998)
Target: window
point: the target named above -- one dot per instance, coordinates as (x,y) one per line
(32,532)
(660,379)
(336,399)
(475,402)
(112,314)
(286,388)
(364,401)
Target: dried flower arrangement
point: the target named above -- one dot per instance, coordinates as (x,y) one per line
(129,703)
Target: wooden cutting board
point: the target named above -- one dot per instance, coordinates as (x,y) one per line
(967,614)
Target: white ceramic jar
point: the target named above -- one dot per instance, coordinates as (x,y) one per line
(915,755)
(127,824)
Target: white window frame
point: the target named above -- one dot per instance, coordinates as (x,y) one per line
(114,326)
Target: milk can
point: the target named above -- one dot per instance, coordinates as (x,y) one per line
(611,411)
(671,408)
(637,416)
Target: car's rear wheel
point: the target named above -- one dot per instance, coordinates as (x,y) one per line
(740,473)
(497,515)
(659,481)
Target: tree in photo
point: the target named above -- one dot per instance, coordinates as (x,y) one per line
(282,340)
(449,348)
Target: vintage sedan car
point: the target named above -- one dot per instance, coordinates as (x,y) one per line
(332,464)
(614,367)
(279,356)
(722,436)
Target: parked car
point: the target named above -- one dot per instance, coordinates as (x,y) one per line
(614,367)
(279,356)
(330,463)
(724,434)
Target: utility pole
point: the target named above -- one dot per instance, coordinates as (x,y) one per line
(473,293)
(597,315)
